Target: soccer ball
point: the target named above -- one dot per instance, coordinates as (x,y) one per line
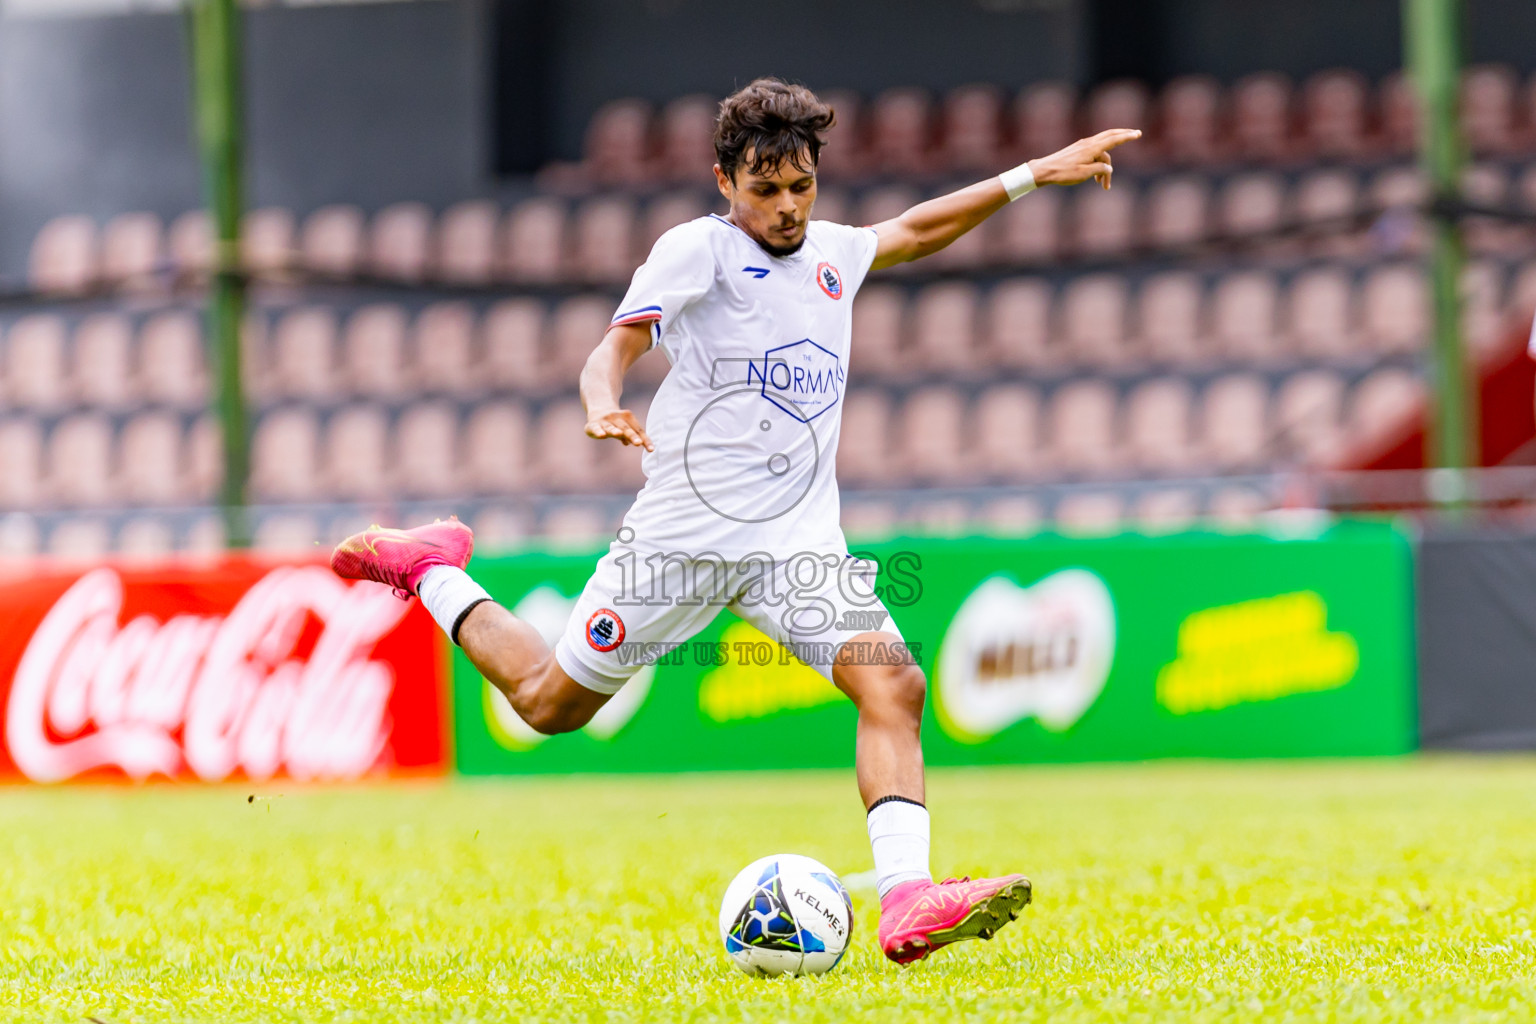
(786,914)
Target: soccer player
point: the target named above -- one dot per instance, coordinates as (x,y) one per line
(754,312)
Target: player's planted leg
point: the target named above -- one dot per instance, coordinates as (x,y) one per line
(916,915)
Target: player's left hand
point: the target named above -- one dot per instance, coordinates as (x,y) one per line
(1084,159)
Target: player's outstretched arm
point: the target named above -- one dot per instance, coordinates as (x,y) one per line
(928,227)
(602,382)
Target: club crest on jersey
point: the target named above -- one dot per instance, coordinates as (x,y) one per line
(605,630)
(830,280)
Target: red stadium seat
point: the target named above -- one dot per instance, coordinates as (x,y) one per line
(1488,105)
(131,250)
(1261,117)
(604,250)
(1191,120)
(190,244)
(832,206)
(145,538)
(668,211)
(1308,411)
(688,139)
(400,242)
(1083,432)
(1488,184)
(973,129)
(1094,319)
(102,371)
(578,325)
(1177,209)
(426,450)
(495,448)
(332,240)
(535,241)
(357,457)
(878,320)
(567,459)
(1124,103)
(80,539)
(1028,231)
(1382,403)
(1018,326)
(1402,191)
(1253,204)
(1006,433)
(21,463)
(618,143)
(944,328)
(514,345)
(1399,115)
(35,373)
(444,349)
(1157,425)
(863,448)
(1395,308)
(64,256)
(1326,200)
(1482,304)
(1168,317)
(205,461)
(1321,314)
(1234,422)
(902,136)
(845,152)
(466,242)
(1336,108)
(304,350)
(152,460)
(267,241)
(1244,315)
(933,441)
(1103,223)
(172,367)
(1045,119)
(373,351)
(80,461)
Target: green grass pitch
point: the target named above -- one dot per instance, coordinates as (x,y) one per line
(1322,891)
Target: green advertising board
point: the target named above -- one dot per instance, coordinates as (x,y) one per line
(1038,650)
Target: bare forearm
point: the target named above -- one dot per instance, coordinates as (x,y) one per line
(602,382)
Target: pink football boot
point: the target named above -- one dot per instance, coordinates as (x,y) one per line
(919,917)
(400,558)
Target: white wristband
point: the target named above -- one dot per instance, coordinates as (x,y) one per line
(1018,182)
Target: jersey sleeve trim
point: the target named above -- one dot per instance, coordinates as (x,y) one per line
(637,316)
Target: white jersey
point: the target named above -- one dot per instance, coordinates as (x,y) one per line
(746,422)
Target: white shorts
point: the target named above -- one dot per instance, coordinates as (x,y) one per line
(636,608)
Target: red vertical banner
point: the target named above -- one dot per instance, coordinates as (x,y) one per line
(244,669)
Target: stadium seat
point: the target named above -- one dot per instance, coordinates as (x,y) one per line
(1325,201)
(172,368)
(1321,314)
(35,374)
(466,242)
(1157,425)
(878,319)
(968,251)
(21,462)
(1244,311)
(285,456)
(80,461)
(444,349)
(1093,319)
(604,243)
(267,241)
(832,205)
(357,462)
(1123,103)
(535,241)
(426,450)
(579,323)
(287,533)
(1401,192)
(304,353)
(844,155)
(1005,431)
(130,250)
(1395,308)
(151,462)
(189,243)
(79,539)
(1482,304)
(1488,184)
(373,348)
(1399,115)
(944,329)
(102,362)
(1261,117)
(495,449)
(64,257)
(145,538)
(1102,223)
(332,240)
(1176,212)
(205,458)
(1253,204)
(1165,510)
(1018,326)
(1234,422)
(1012,516)
(1382,403)
(1236,508)
(205,537)
(933,443)
(618,143)
(1308,411)
(902,135)
(1191,120)
(688,139)
(668,211)
(1089,513)
(1336,113)
(514,351)
(1488,106)
(1045,119)
(1168,317)
(972,129)
(1027,232)
(1083,434)
(862,448)
(400,242)
(1522,290)
(566,458)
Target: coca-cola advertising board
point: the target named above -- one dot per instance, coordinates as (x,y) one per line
(243,669)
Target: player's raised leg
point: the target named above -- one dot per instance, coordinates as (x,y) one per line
(428,562)
(917,916)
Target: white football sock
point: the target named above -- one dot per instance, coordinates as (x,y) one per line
(898,835)
(448,593)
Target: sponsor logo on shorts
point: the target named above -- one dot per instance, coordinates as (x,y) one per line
(830,280)
(605,630)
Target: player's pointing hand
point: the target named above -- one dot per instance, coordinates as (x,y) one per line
(620,423)
(1084,159)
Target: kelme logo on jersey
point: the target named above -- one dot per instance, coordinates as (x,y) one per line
(605,630)
(802,378)
(830,280)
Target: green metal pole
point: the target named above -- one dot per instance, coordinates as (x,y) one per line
(217,73)
(1432,35)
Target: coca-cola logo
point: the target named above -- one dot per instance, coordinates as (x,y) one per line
(285,682)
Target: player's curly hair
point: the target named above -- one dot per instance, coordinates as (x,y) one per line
(774,120)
